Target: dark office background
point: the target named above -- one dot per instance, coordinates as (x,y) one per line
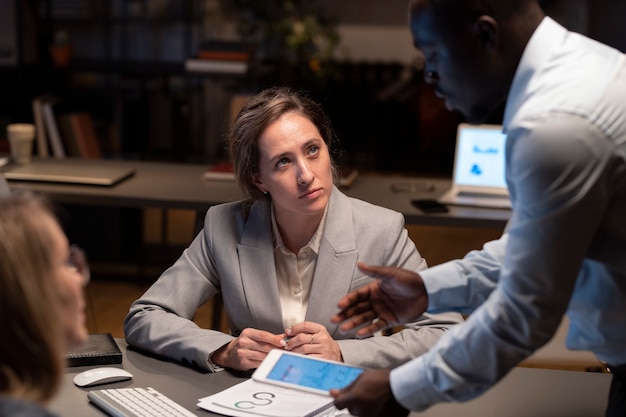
(126,70)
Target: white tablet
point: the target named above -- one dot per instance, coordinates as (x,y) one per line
(306,373)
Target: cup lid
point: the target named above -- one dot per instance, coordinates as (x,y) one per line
(21,127)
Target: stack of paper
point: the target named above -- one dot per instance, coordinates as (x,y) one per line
(252,398)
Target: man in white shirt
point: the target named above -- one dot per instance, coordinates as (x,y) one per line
(563,251)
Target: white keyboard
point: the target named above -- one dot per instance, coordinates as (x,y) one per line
(137,402)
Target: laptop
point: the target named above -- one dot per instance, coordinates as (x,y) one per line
(478,176)
(70,171)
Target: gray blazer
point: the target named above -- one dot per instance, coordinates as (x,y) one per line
(234,255)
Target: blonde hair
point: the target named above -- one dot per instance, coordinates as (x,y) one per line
(32,355)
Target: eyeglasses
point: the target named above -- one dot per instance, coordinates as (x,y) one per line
(77,262)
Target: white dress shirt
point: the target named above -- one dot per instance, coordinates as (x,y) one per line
(294,273)
(564,250)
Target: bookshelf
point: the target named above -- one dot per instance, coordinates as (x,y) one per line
(127,69)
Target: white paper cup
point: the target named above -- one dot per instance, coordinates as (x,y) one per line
(21,137)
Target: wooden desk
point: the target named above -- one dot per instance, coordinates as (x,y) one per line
(524,392)
(154,184)
(379,189)
(183,385)
(170,185)
(181,186)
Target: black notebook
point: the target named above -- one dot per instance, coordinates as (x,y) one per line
(99,349)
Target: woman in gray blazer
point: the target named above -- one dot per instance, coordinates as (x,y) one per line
(282,258)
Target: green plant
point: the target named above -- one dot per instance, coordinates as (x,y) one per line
(295,32)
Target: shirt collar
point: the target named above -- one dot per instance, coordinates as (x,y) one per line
(537,51)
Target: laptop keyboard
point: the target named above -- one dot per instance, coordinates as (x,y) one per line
(137,402)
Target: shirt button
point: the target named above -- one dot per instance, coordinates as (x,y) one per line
(303,256)
(297,290)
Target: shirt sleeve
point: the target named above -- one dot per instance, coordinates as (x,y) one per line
(521,284)
(463,285)
(161,320)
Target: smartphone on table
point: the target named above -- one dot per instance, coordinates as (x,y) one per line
(294,370)
(430,206)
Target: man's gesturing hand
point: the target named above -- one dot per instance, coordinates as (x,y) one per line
(397,297)
(369,396)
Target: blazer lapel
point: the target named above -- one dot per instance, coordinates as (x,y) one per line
(336,262)
(258,272)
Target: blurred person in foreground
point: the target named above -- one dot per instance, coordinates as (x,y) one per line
(283,257)
(41,304)
(563,251)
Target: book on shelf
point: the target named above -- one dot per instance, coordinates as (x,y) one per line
(224,55)
(62,131)
(84,132)
(40,128)
(67,135)
(221,57)
(216,66)
(100,349)
(52,127)
(222,171)
(226,50)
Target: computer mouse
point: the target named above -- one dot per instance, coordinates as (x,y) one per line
(104,375)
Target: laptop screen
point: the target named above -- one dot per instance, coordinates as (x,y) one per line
(479,158)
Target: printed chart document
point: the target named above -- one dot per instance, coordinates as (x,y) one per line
(252,398)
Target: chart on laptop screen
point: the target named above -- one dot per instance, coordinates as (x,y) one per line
(479,168)
(480,159)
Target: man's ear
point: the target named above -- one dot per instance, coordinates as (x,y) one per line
(487,31)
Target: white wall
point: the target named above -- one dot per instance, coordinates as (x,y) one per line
(375,43)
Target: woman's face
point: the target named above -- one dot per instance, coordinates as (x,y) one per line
(295,167)
(70,285)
